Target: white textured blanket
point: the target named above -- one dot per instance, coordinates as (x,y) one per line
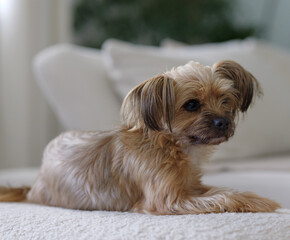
(28,221)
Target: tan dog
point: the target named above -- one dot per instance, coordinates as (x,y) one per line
(170,123)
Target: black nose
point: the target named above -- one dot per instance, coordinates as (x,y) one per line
(221,123)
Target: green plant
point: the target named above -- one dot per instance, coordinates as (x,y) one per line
(150,21)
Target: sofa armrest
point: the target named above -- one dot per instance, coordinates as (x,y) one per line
(75,83)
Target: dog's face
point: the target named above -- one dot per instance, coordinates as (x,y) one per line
(197,104)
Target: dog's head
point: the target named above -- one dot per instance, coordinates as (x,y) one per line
(198,104)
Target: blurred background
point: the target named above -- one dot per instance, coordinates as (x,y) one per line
(28,122)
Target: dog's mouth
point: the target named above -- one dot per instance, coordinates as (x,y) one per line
(207,140)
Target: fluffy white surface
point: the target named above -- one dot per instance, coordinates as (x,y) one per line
(27,221)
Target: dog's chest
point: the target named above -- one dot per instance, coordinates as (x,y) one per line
(199,154)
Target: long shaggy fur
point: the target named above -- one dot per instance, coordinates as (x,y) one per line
(151,164)
(9,194)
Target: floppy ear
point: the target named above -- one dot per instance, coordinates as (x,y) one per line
(245,83)
(151,104)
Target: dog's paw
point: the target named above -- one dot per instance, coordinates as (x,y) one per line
(250,202)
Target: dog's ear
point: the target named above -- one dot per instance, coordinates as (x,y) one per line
(151,104)
(245,83)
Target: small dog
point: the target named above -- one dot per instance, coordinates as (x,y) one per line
(151,164)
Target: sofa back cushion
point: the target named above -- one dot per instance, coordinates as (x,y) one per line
(265,129)
(74,81)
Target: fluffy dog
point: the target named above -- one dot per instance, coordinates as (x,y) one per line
(151,164)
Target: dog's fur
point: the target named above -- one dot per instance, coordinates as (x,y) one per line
(152,163)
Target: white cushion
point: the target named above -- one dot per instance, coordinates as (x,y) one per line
(270,184)
(228,47)
(28,221)
(129,64)
(265,129)
(18,177)
(75,83)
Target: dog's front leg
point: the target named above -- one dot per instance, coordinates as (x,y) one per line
(173,186)
(226,200)
(215,200)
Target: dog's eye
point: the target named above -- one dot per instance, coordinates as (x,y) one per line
(225,101)
(192,105)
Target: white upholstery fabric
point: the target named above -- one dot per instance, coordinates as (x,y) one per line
(27,221)
(75,83)
(265,130)
(270,184)
(129,64)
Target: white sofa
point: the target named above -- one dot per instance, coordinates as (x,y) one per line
(85,88)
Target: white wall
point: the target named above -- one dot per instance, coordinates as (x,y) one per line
(280,33)
(272,16)
(1,107)
(26,122)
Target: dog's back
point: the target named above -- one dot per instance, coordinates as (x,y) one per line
(77,173)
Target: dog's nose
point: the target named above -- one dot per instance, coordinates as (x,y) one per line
(221,123)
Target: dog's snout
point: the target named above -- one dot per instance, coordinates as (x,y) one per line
(221,123)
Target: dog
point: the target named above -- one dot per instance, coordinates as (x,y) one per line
(170,124)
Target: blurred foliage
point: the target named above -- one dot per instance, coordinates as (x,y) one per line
(150,21)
